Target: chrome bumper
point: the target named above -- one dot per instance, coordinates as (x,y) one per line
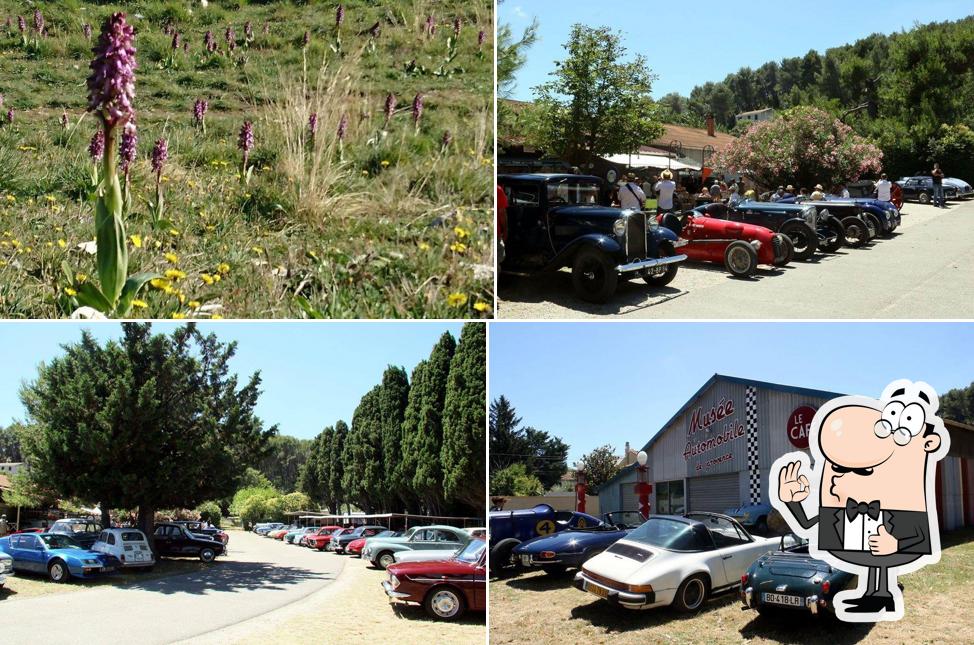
(392,593)
(649,264)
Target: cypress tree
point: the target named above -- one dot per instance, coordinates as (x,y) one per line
(464,417)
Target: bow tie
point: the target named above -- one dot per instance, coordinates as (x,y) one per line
(854,508)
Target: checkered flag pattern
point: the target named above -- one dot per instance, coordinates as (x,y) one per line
(753,460)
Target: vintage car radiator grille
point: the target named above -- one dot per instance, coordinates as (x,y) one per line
(636,237)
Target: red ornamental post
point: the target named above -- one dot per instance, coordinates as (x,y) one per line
(643,487)
(580,485)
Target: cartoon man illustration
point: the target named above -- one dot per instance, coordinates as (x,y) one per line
(874,476)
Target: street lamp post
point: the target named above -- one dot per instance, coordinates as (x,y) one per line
(580,487)
(643,487)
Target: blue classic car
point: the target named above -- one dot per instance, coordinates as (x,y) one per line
(800,223)
(554,221)
(569,549)
(752,516)
(508,529)
(57,556)
(791,579)
(881,216)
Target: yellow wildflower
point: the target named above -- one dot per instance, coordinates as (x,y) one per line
(481,306)
(194,304)
(15,244)
(140,304)
(11,199)
(71,292)
(174,232)
(175,274)
(461,232)
(136,241)
(80,278)
(62,243)
(160,283)
(423,246)
(456,299)
(172,258)
(223,267)
(216,317)
(50,198)
(178,315)
(385,163)
(207,278)
(458,247)
(216,277)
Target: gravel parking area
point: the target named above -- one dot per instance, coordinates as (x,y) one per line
(925,270)
(538,608)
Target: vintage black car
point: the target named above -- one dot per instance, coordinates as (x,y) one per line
(557,220)
(920,189)
(860,224)
(340,543)
(175,541)
(800,223)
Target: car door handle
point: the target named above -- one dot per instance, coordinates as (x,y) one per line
(726,557)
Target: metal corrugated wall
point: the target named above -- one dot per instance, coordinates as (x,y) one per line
(716,493)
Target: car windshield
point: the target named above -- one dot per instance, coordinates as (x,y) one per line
(573,192)
(472,552)
(671,534)
(60,542)
(130,536)
(627,519)
(82,527)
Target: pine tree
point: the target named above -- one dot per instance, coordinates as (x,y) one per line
(464,416)
(336,467)
(394,396)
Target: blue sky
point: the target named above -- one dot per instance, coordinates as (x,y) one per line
(687,44)
(313,373)
(592,384)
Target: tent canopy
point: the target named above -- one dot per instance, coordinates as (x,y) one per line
(650,161)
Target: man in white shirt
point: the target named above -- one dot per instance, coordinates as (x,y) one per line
(631,196)
(883,188)
(664,190)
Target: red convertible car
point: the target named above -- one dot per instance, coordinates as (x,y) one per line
(739,247)
(320,538)
(445,588)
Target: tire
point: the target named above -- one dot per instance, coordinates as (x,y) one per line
(148,569)
(787,250)
(662,276)
(741,259)
(500,556)
(444,603)
(803,237)
(923,198)
(58,572)
(692,593)
(856,232)
(385,559)
(876,227)
(207,555)
(554,569)
(594,275)
(838,230)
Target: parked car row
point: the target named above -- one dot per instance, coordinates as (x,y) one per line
(558,220)
(440,567)
(666,560)
(74,548)
(920,188)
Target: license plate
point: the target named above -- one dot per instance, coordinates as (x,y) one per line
(782,599)
(601,592)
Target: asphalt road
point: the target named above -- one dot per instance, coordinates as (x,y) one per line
(258,576)
(925,270)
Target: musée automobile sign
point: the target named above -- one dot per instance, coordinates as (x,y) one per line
(720,418)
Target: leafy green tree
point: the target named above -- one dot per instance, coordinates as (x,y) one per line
(210,511)
(294,502)
(149,421)
(423,425)
(462,452)
(544,456)
(253,504)
(597,102)
(393,398)
(958,404)
(515,480)
(253,478)
(10,443)
(310,479)
(285,457)
(511,56)
(600,466)
(362,454)
(336,467)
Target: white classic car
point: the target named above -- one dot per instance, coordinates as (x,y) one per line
(6,568)
(674,560)
(130,546)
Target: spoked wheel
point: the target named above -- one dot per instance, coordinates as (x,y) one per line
(804,238)
(856,234)
(835,238)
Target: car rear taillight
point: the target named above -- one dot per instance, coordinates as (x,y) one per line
(122,557)
(826,586)
(547,555)
(744,580)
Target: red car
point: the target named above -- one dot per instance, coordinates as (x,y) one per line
(27,531)
(739,247)
(320,538)
(355,546)
(445,588)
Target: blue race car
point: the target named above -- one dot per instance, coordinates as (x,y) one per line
(569,549)
(57,556)
(507,529)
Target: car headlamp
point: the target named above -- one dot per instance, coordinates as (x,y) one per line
(619,227)
(809,215)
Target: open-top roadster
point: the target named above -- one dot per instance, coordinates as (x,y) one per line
(558,552)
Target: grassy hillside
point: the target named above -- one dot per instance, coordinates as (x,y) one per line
(394,221)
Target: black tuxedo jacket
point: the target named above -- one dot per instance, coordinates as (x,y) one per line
(910,528)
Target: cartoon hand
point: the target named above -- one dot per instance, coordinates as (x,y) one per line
(792,487)
(882,543)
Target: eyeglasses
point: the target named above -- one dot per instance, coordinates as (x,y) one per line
(902,421)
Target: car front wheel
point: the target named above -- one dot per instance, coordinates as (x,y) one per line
(836,237)
(662,275)
(58,571)
(207,555)
(385,559)
(856,233)
(594,275)
(691,594)
(804,239)
(785,250)
(924,198)
(741,259)
(445,603)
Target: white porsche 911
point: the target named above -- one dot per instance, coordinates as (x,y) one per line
(676,560)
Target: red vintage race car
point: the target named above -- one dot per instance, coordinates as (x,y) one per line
(320,538)
(739,247)
(445,588)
